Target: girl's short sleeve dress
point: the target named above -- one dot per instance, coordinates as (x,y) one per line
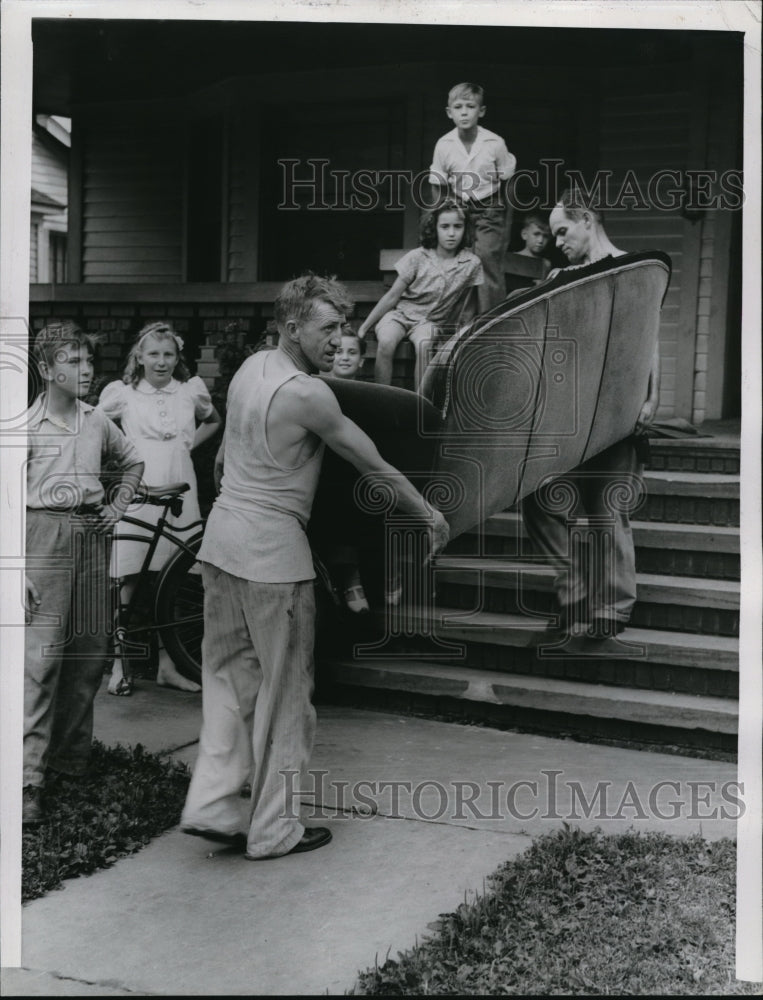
(161,423)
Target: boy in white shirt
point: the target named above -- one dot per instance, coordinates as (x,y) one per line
(474,164)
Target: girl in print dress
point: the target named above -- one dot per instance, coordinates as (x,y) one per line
(166,414)
(430,291)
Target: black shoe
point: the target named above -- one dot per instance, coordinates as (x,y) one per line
(31,806)
(312,838)
(606,628)
(231,839)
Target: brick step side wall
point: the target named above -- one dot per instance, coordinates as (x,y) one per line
(693,458)
(691,510)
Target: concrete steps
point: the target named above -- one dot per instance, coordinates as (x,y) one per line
(511,585)
(566,701)
(670,677)
(691,498)
(518,631)
(705,550)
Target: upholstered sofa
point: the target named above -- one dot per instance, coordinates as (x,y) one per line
(550,377)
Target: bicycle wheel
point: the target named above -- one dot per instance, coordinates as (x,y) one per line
(179,609)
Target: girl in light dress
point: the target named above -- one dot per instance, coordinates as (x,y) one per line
(166,414)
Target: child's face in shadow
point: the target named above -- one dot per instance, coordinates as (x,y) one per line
(536,239)
(348,360)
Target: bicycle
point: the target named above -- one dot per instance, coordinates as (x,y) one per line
(178,597)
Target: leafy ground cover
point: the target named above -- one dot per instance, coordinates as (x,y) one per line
(584,914)
(127,797)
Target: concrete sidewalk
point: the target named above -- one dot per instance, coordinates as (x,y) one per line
(422,812)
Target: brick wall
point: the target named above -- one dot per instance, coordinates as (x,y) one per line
(204,327)
(116,325)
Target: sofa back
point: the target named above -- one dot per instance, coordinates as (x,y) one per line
(549,378)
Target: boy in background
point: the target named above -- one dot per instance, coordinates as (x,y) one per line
(536,236)
(474,164)
(68,545)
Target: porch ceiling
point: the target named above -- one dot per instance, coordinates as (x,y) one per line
(103,61)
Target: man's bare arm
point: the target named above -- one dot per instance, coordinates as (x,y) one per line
(317,410)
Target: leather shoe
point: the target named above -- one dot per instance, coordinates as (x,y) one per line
(312,838)
(231,839)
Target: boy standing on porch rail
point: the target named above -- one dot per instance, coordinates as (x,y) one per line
(475,164)
(258,722)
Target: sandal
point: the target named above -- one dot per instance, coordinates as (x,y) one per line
(123,687)
(355,599)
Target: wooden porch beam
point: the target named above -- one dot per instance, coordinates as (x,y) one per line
(201,291)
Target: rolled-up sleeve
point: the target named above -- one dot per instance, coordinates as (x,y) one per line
(505,162)
(116,447)
(438,171)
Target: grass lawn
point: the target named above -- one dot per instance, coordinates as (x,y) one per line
(576,914)
(585,914)
(127,797)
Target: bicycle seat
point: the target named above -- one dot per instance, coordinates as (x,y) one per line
(161,494)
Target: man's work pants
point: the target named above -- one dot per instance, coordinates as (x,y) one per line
(258,720)
(602,580)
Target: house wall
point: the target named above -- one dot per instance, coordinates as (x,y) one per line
(50,177)
(129,176)
(132,167)
(34,236)
(643,132)
(49,169)
(717,361)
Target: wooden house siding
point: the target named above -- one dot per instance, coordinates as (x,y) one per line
(49,170)
(34,236)
(236,224)
(49,175)
(718,346)
(132,199)
(683,123)
(646,133)
(238,267)
(134,190)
